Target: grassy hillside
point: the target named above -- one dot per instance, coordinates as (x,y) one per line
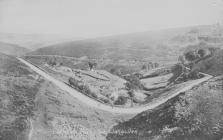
(145,45)
(194,115)
(11,66)
(12,49)
(33,108)
(17,93)
(212,65)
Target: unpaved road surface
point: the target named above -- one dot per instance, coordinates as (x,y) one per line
(93,103)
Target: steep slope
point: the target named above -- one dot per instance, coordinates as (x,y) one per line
(142,45)
(12,49)
(17,91)
(194,115)
(212,65)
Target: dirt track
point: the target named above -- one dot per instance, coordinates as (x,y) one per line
(93,103)
(31,130)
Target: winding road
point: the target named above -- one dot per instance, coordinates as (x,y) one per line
(113,109)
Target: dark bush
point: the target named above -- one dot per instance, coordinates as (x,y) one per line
(191,56)
(177,70)
(138,75)
(202,52)
(92,94)
(144,67)
(133,82)
(73,82)
(82,88)
(116,71)
(92,65)
(156,65)
(52,63)
(121,100)
(104,100)
(194,74)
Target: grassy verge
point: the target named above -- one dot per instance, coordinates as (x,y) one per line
(17,95)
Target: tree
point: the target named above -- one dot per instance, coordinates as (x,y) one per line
(139,75)
(177,71)
(144,67)
(194,74)
(82,88)
(190,56)
(133,82)
(52,63)
(156,65)
(73,82)
(116,71)
(202,53)
(121,100)
(92,65)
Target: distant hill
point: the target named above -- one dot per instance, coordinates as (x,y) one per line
(12,49)
(4,57)
(143,45)
(34,41)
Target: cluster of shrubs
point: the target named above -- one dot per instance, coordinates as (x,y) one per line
(52,63)
(85,89)
(185,74)
(133,82)
(196,55)
(81,87)
(121,100)
(192,58)
(106,101)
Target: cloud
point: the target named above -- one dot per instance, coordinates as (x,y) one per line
(103,17)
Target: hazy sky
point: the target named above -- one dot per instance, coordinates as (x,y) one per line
(90,18)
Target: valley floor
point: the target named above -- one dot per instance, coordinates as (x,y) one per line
(98,105)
